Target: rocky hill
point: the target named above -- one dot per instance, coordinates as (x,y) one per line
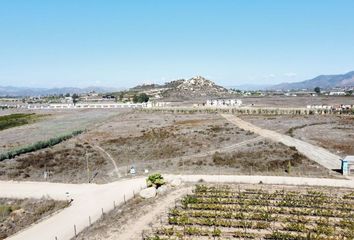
(194,88)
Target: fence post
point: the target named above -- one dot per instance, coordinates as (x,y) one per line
(124,199)
(102,212)
(56,238)
(75,230)
(114,204)
(90,221)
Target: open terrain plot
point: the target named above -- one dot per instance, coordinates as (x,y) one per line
(332,132)
(164,142)
(298,101)
(53,124)
(247,211)
(17,214)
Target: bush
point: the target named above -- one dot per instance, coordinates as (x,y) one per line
(155,180)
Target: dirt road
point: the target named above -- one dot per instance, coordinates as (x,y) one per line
(90,199)
(314,153)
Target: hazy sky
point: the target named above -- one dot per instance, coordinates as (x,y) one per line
(60,43)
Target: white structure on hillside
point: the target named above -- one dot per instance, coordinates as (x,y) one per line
(223,103)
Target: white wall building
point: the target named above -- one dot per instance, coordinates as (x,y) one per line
(223,103)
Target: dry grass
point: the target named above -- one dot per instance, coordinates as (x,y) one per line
(18,214)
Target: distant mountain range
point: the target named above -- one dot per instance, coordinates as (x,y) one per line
(322,81)
(24,91)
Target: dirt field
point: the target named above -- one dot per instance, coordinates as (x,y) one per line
(16,215)
(158,142)
(332,132)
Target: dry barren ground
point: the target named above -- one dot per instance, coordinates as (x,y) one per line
(16,214)
(332,132)
(168,143)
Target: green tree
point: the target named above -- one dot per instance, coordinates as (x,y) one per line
(135,98)
(317,90)
(143,97)
(75,98)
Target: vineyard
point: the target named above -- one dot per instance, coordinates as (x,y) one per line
(225,212)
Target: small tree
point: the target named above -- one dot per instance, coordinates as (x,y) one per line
(75,98)
(317,90)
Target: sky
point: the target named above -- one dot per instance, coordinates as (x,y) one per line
(119,44)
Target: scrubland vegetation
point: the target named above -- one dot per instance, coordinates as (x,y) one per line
(167,143)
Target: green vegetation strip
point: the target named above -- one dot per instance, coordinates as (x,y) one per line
(38,145)
(17,119)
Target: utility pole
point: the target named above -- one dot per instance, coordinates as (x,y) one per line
(87,167)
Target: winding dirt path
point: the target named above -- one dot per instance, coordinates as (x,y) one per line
(116,170)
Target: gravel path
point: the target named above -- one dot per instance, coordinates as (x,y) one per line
(314,153)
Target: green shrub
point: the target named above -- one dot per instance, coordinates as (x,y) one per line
(155,180)
(5,211)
